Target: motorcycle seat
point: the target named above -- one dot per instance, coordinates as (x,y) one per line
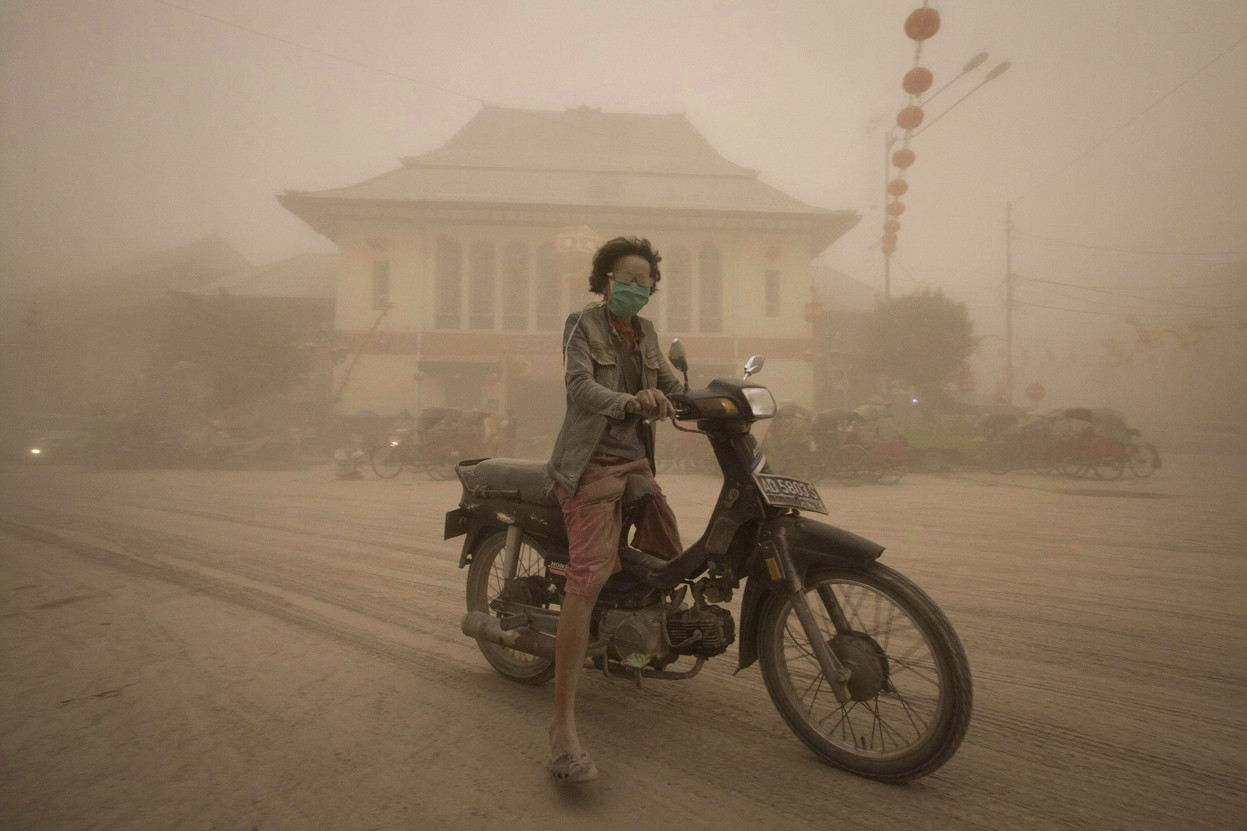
(527,481)
(509,479)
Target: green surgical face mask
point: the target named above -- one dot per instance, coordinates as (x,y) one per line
(627,299)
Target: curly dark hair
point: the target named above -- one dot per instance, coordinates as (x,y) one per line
(615,250)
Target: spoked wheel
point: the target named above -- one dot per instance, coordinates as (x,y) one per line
(440,471)
(1071,466)
(853,465)
(1143,460)
(485,583)
(910,689)
(889,473)
(387,461)
(1109,469)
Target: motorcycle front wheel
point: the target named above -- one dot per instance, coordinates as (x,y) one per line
(485,582)
(910,689)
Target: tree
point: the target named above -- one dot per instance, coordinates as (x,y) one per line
(240,352)
(923,339)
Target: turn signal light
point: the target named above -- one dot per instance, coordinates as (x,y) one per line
(717,407)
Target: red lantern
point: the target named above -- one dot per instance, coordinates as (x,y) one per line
(896,207)
(922,24)
(909,118)
(897,187)
(889,248)
(917,80)
(903,158)
(889,239)
(891,226)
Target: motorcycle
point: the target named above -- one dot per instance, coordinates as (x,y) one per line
(863,667)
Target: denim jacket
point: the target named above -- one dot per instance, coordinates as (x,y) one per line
(591,375)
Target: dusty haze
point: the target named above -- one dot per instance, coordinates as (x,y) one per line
(134,125)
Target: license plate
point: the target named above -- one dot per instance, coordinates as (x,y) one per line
(782,492)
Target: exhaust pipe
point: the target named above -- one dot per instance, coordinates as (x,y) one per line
(486,627)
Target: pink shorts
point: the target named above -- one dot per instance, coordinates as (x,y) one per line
(594,517)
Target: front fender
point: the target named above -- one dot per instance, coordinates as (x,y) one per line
(810,544)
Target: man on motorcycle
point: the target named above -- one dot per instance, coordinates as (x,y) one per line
(616,376)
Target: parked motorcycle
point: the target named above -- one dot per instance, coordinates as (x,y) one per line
(860,663)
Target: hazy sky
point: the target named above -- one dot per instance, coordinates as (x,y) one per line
(133,125)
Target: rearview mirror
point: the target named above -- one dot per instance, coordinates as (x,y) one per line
(677,356)
(754,365)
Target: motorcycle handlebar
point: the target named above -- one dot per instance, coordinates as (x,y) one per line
(683,407)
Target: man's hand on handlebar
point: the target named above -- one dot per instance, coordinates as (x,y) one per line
(652,404)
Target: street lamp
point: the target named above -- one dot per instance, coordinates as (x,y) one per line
(890,140)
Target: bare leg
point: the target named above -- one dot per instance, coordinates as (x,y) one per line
(571,644)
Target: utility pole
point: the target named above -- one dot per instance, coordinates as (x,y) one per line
(1009,302)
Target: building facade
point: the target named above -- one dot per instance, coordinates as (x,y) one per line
(458,270)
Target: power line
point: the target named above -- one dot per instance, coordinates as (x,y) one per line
(1115,293)
(1105,313)
(1066,309)
(1073,244)
(1133,118)
(1058,294)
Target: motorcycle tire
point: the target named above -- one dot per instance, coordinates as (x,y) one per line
(386,461)
(485,584)
(910,706)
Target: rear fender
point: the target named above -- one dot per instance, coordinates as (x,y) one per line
(476,518)
(810,544)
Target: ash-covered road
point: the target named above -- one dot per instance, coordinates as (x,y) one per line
(280,650)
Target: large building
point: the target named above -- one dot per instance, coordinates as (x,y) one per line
(458,269)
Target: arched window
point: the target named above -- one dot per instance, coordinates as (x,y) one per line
(482,270)
(515,286)
(677,286)
(449,269)
(710,289)
(549,298)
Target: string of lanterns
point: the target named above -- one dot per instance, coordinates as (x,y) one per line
(921,24)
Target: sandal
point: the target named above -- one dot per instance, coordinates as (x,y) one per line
(569,768)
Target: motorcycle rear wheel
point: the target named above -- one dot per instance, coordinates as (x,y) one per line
(901,727)
(485,579)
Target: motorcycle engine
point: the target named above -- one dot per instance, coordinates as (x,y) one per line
(703,632)
(631,633)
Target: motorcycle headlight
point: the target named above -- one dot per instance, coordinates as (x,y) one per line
(761,402)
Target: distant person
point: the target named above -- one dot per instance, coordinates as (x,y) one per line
(490,438)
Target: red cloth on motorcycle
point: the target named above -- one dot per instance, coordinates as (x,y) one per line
(594,518)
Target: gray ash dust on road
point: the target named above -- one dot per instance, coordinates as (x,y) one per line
(281,650)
